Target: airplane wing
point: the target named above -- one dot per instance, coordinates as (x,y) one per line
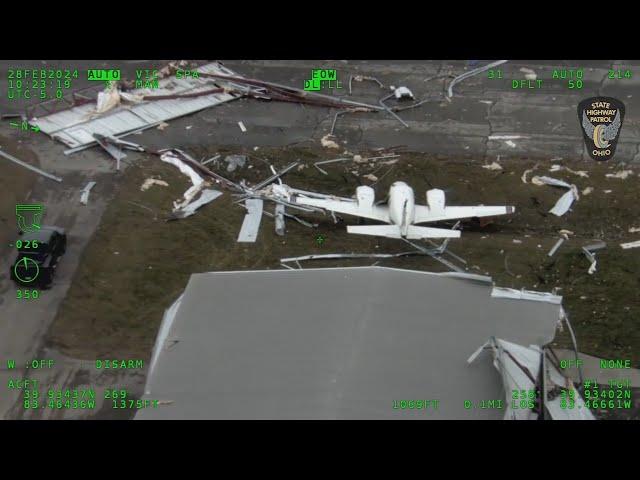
(425,214)
(375,212)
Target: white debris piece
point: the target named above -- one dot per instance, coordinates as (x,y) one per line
(515,240)
(587,191)
(327,142)
(529,74)
(235,161)
(84,198)
(607,191)
(242,127)
(162,126)
(279,219)
(207,196)
(565,233)
(493,166)
(629,245)
(108,99)
(149,182)
(196,179)
(564,203)
(555,247)
(505,137)
(634,229)
(371,177)
(403,92)
(622,174)
(525,173)
(251,223)
(511,143)
(554,182)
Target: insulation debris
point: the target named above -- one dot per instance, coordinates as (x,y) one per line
(242,127)
(196,179)
(371,177)
(235,161)
(108,99)
(587,191)
(327,142)
(493,166)
(634,229)
(149,182)
(622,174)
(629,245)
(84,197)
(162,125)
(511,143)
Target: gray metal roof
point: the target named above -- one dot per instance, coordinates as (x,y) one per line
(335,343)
(75,127)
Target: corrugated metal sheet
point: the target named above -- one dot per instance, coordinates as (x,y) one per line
(75,127)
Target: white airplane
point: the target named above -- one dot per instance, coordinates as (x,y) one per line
(401,212)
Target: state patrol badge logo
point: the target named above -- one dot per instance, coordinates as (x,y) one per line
(601,120)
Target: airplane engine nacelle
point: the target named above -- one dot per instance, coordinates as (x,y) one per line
(365,196)
(435,200)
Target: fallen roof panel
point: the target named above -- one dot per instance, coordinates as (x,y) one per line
(75,127)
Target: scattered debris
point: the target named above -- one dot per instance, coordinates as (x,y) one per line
(628,245)
(555,247)
(525,173)
(108,99)
(360,78)
(235,161)
(589,251)
(564,203)
(529,74)
(493,166)
(622,174)
(323,162)
(29,167)
(505,137)
(327,142)
(515,240)
(242,127)
(212,159)
(511,143)
(607,191)
(566,233)
(279,219)
(251,223)
(84,197)
(587,191)
(634,229)
(111,149)
(188,127)
(196,179)
(162,126)
(207,196)
(149,182)
(370,177)
(403,92)
(471,73)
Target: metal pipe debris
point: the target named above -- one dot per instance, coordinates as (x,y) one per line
(471,73)
(29,167)
(388,109)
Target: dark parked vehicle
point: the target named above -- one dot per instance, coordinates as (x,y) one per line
(38,255)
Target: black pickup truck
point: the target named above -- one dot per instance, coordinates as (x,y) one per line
(38,255)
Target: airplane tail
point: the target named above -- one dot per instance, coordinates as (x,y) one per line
(393,231)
